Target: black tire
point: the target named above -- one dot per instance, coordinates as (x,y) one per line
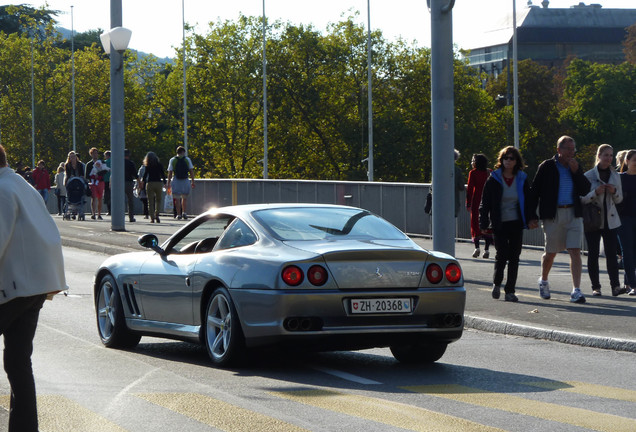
(223,335)
(111,323)
(419,353)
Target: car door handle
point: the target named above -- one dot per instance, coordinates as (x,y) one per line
(187,281)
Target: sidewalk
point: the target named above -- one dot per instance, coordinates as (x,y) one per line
(603,322)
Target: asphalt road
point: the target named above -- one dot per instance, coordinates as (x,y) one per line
(484,382)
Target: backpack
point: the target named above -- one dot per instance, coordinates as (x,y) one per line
(181,168)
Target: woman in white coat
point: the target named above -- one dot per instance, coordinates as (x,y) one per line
(605,193)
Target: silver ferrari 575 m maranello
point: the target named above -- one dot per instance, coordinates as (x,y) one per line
(309,276)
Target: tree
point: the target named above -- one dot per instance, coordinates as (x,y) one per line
(539,126)
(599,99)
(22,19)
(629,45)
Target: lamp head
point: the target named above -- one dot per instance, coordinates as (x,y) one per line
(118,37)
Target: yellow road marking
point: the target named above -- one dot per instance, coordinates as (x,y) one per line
(544,410)
(383,411)
(586,389)
(60,414)
(218,414)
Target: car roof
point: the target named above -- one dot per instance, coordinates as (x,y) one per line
(245,209)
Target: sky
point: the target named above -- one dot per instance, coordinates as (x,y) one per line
(157,24)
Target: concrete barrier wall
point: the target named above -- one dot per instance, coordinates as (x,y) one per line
(400,203)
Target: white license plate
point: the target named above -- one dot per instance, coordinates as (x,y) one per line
(381,305)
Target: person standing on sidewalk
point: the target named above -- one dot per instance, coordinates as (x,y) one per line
(130,175)
(26,230)
(503,209)
(180,165)
(42,180)
(605,193)
(60,189)
(153,180)
(95,170)
(627,212)
(476,180)
(556,189)
(108,163)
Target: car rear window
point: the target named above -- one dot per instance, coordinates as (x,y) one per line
(316,223)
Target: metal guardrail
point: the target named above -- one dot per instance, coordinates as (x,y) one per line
(402,204)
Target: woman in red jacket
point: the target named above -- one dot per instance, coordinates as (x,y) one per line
(42,180)
(476,181)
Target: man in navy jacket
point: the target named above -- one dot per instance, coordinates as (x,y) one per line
(556,190)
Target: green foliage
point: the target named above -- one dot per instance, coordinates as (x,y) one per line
(317,84)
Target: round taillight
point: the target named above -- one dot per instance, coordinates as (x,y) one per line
(317,275)
(293,275)
(453,273)
(434,273)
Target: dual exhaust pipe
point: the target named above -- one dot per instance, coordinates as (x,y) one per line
(295,324)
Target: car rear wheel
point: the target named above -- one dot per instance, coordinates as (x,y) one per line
(419,353)
(223,336)
(111,323)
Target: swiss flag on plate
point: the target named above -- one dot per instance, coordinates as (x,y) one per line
(355,305)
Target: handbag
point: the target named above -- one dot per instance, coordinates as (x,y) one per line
(428,206)
(591,217)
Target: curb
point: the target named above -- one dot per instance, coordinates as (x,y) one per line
(506,328)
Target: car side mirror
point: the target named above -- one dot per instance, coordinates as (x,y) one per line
(150,241)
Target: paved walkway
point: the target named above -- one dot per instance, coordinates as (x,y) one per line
(604,322)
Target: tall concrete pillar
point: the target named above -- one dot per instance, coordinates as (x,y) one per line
(442,125)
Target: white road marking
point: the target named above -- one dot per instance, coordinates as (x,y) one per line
(346,376)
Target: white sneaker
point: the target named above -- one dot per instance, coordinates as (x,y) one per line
(544,289)
(632,292)
(476,253)
(577,296)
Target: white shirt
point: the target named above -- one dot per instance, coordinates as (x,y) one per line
(31,260)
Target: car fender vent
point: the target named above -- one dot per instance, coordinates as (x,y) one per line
(131,301)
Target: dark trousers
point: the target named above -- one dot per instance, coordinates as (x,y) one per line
(18,321)
(508,239)
(61,201)
(627,233)
(130,197)
(107,195)
(593,249)
(144,201)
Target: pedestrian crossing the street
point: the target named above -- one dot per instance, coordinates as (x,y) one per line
(413,412)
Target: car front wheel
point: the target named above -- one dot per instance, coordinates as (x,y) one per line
(111,323)
(223,336)
(419,353)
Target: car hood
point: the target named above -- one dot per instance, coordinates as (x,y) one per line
(370,263)
(126,262)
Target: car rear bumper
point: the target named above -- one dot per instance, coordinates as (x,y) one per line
(325,318)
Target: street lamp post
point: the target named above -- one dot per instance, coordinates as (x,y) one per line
(32,111)
(370,93)
(185,93)
(115,42)
(265,144)
(73,75)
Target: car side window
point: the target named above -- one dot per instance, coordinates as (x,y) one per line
(236,235)
(203,236)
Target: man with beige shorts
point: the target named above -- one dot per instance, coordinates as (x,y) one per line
(556,190)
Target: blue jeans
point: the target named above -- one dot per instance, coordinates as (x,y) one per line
(627,234)
(45,194)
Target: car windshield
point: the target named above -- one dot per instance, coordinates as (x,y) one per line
(316,223)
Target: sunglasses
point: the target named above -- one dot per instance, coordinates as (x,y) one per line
(509,158)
